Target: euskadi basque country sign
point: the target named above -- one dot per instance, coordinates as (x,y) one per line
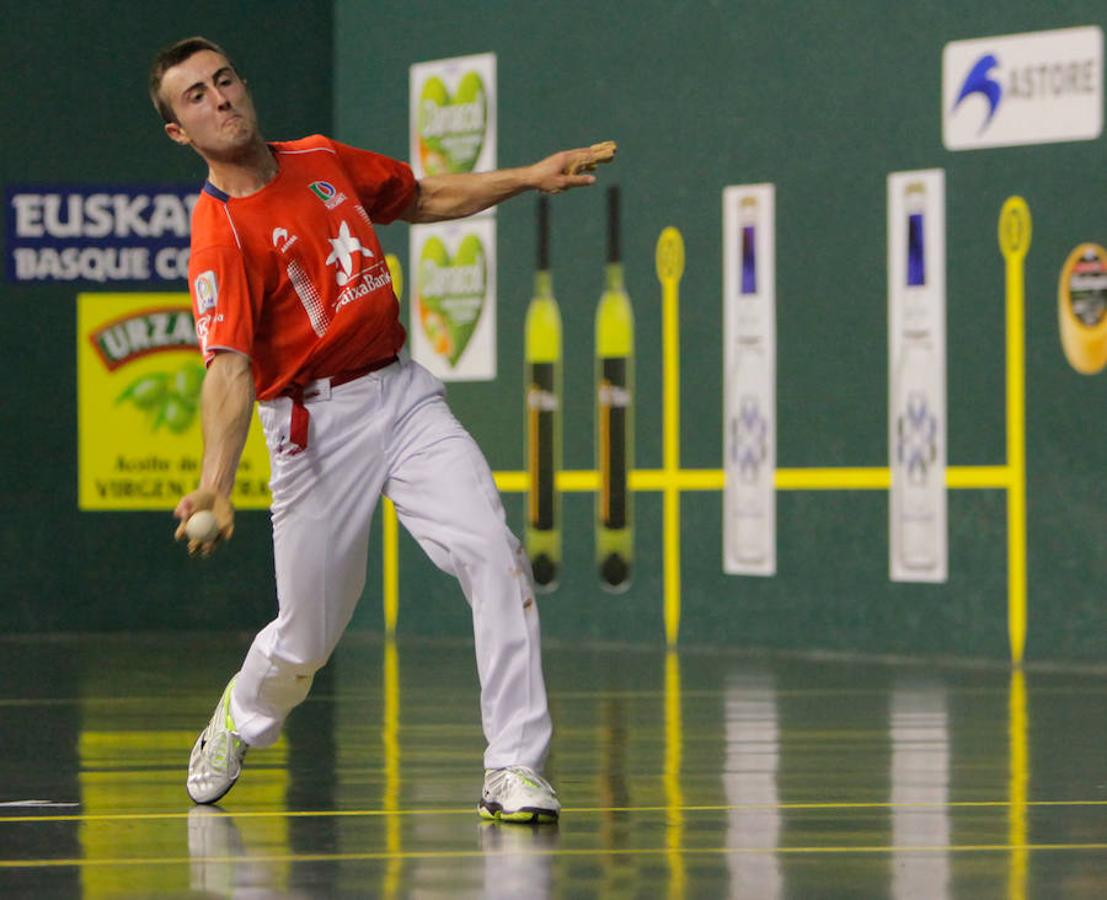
(106,234)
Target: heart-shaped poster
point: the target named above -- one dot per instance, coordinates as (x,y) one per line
(451,293)
(452,128)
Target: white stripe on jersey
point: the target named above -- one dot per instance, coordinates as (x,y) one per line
(309,296)
(233,229)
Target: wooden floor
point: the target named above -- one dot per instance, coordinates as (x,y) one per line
(700,775)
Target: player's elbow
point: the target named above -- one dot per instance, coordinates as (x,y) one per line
(231,371)
(434,201)
(415,211)
(228,363)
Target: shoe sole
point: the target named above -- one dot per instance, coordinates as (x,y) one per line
(212,800)
(528,815)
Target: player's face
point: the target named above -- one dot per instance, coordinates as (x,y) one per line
(215,114)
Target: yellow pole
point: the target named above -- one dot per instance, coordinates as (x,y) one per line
(390,532)
(670,268)
(1014,242)
(397,273)
(390,559)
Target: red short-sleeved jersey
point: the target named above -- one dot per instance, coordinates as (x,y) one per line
(293,275)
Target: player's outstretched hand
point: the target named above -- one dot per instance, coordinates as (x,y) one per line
(219,506)
(570,168)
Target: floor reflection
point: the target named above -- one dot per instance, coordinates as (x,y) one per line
(223,864)
(750,783)
(919,732)
(518,859)
(692,775)
(1018,785)
(674,793)
(614,793)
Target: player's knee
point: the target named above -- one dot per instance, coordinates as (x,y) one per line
(309,665)
(493,545)
(303,661)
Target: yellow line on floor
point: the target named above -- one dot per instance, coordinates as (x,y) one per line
(370,856)
(578,810)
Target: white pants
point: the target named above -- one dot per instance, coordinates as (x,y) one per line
(391,433)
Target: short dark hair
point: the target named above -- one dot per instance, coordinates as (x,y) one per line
(174,55)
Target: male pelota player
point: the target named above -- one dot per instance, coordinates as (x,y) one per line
(295,309)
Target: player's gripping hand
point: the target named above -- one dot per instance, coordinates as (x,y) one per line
(219,506)
(571,168)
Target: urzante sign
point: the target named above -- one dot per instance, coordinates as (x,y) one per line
(139,377)
(1033,88)
(101,234)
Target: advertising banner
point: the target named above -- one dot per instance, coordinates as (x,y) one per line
(139,374)
(1033,88)
(917,375)
(100,235)
(749,379)
(453,298)
(453,115)
(1082,308)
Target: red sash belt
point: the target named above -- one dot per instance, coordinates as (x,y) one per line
(298,427)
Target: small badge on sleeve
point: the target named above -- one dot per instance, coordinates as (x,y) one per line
(207,291)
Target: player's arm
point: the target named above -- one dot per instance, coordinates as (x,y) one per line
(441,197)
(226,404)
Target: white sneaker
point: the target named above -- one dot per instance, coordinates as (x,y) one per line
(216,760)
(518,794)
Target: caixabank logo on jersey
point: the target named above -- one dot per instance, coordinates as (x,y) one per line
(139,377)
(1034,88)
(105,234)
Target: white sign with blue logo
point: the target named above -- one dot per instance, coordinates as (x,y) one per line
(103,234)
(749,379)
(918,540)
(1034,88)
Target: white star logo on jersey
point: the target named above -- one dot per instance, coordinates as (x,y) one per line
(343,249)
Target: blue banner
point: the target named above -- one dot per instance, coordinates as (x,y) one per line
(100,234)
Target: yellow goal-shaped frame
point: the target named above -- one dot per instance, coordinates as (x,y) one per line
(671,480)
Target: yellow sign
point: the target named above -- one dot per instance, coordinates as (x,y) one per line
(1082,308)
(139,374)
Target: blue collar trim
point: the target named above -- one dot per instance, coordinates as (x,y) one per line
(210,188)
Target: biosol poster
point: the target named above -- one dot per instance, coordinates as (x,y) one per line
(139,375)
(453,115)
(453,298)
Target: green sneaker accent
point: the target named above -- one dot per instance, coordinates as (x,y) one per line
(518,794)
(523,815)
(216,760)
(226,703)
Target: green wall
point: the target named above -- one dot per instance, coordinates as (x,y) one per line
(75,110)
(821,99)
